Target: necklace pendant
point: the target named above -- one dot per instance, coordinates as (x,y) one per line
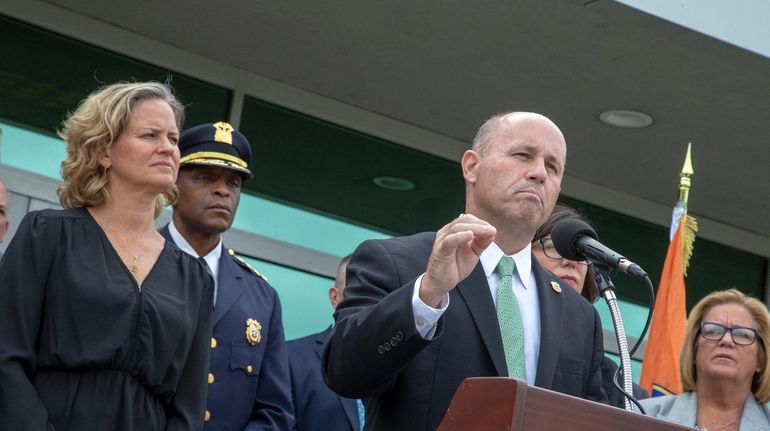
(133,267)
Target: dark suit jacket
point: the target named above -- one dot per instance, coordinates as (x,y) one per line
(376,353)
(250,388)
(316,407)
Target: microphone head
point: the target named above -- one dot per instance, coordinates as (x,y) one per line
(565,235)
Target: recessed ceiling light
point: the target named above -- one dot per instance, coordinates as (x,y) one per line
(625,118)
(393,183)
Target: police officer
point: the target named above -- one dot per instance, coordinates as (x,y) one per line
(249,386)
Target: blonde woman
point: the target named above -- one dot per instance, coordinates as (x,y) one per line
(105,325)
(724,366)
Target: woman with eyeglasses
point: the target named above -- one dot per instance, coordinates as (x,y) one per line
(582,277)
(724,366)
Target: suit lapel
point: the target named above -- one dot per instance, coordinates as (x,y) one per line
(230,286)
(351,411)
(551,304)
(475,291)
(319,341)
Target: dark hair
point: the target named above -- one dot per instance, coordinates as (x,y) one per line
(563,212)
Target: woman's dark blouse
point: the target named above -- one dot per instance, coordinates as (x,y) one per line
(83,348)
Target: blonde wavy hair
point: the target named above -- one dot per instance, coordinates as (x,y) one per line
(95,125)
(760,384)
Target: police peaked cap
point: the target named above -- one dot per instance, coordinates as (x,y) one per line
(216,145)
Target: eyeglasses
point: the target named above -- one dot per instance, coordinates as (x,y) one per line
(550,251)
(715,332)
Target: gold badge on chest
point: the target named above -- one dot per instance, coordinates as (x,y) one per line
(253,332)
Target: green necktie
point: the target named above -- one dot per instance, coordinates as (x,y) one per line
(509,317)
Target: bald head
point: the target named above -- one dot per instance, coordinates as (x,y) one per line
(513,175)
(3,211)
(493,124)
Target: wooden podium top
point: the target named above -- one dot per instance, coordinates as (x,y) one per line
(503,404)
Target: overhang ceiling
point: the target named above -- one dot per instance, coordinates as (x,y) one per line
(446,66)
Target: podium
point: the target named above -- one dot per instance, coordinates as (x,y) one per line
(503,404)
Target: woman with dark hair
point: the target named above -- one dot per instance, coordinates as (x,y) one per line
(105,325)
(581,276)
(724,367)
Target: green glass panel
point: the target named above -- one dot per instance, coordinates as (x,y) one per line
(329,169)
(304,298)
(34,152)
(634,316)
(44,75)
(302,228)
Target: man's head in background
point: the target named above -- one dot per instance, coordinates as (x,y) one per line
(336,291)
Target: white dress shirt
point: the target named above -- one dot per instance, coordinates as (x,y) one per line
(524,287)
(212,259)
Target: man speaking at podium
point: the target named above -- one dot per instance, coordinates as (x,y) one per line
(424,312)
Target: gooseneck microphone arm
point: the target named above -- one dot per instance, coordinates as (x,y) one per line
(607,291)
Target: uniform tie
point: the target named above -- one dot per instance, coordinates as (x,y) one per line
(509,318)
(214,279)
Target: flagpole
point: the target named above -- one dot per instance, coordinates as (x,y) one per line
(660,369)
(684,178)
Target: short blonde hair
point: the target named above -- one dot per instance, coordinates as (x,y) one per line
(760,385)
(96,123)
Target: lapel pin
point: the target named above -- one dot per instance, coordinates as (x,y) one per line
(555,286)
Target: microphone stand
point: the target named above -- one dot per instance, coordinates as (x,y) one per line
(607,291)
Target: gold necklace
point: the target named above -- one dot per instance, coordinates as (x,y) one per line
(112,236)
(702,428)
(133,266)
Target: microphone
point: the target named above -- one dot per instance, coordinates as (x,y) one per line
(576,240)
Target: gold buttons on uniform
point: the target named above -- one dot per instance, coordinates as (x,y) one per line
(213,343)
(211,378)
(207,416)
(249,368)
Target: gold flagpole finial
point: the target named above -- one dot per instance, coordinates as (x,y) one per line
(684,177)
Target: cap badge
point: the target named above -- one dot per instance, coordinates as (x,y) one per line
(555,286)
(253,332)
(224,133)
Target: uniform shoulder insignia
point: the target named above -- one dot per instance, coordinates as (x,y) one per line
(245,264)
